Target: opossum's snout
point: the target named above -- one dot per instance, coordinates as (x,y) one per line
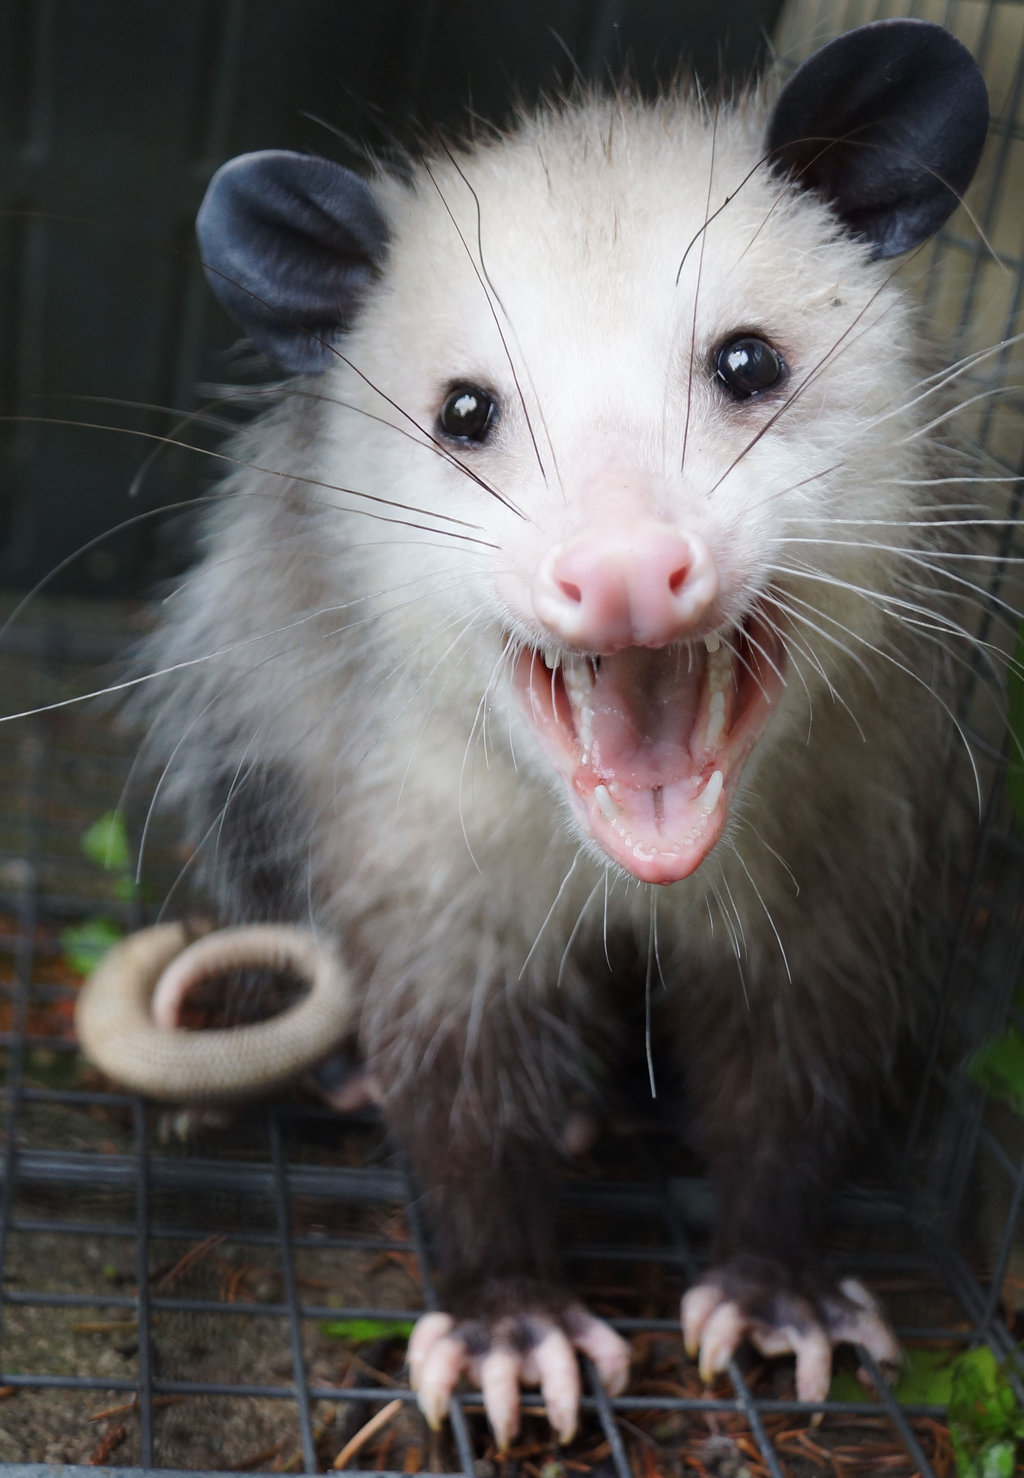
(653,587)
(650,741)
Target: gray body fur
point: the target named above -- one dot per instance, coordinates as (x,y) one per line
(337,726)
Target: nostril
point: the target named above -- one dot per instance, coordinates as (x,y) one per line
(640,583)
(677,579)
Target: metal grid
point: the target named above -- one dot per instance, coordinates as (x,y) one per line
(179,1292)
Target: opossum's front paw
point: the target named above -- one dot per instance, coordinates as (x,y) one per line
(502,1353)
(757,1299)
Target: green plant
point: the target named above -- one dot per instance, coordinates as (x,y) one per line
(106,844)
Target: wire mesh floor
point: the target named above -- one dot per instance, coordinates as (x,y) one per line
(240,1302)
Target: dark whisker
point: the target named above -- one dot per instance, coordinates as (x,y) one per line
(806,382)
(491,296)
(696,299)
(314,482)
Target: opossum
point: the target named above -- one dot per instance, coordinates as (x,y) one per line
(573,635)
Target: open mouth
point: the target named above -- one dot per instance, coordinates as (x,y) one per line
(650,743)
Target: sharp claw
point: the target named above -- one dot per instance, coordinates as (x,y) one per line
(438,1377)
(723,1332)
(599,1342)
(715,1324)
(499,1384)
(439,1353)
(813,1351)
(434,1406)
(558,1372)
(429,1328)
(699,1303)
(868,1328)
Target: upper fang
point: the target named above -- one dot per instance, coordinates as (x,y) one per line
(552,657)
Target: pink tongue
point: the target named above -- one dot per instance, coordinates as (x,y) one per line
(645,706)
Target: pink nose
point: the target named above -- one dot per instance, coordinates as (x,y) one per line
(644,585)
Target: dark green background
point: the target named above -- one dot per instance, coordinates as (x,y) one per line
(114,114)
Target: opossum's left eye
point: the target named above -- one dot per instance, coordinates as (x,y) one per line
(747,365)
(468,413)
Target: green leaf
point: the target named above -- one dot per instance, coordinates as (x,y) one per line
(926,1379)
(998,1067)
(982,1396)
(361,1331)
(84,945)
(846,1387)
(985,1420)
(106,843)
(1015,721)
(992,1459)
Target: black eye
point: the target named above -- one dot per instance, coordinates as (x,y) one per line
(468,413)
(747,365)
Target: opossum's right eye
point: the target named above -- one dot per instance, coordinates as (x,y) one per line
(468,413)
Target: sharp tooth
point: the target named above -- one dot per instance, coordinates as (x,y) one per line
(716,720)
(708,798)
(713,641)
(552,657)
(585,729)
(719,670)
(579,684)
(609,810)
(578,679)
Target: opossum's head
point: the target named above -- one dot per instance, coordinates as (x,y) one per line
(648,364)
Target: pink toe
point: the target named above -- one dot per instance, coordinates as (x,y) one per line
(813,1352)
(558,1373)
(498,1378)
(429,1328)
(439,1375)
(722,1334)
(699,1303)
(608,1350)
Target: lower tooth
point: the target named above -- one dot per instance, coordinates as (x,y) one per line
(605,804)
(708,798)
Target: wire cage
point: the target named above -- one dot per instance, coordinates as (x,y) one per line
(239,1302)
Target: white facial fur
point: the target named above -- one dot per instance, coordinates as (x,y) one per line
(544,268)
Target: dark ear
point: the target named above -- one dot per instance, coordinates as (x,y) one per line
(887,124)
(290,243)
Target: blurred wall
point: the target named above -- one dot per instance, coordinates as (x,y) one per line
(113,115)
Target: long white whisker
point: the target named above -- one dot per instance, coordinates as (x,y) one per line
(766,910)
(652,959)
(915,677)
(550,913)
(574,931)
(305,480)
